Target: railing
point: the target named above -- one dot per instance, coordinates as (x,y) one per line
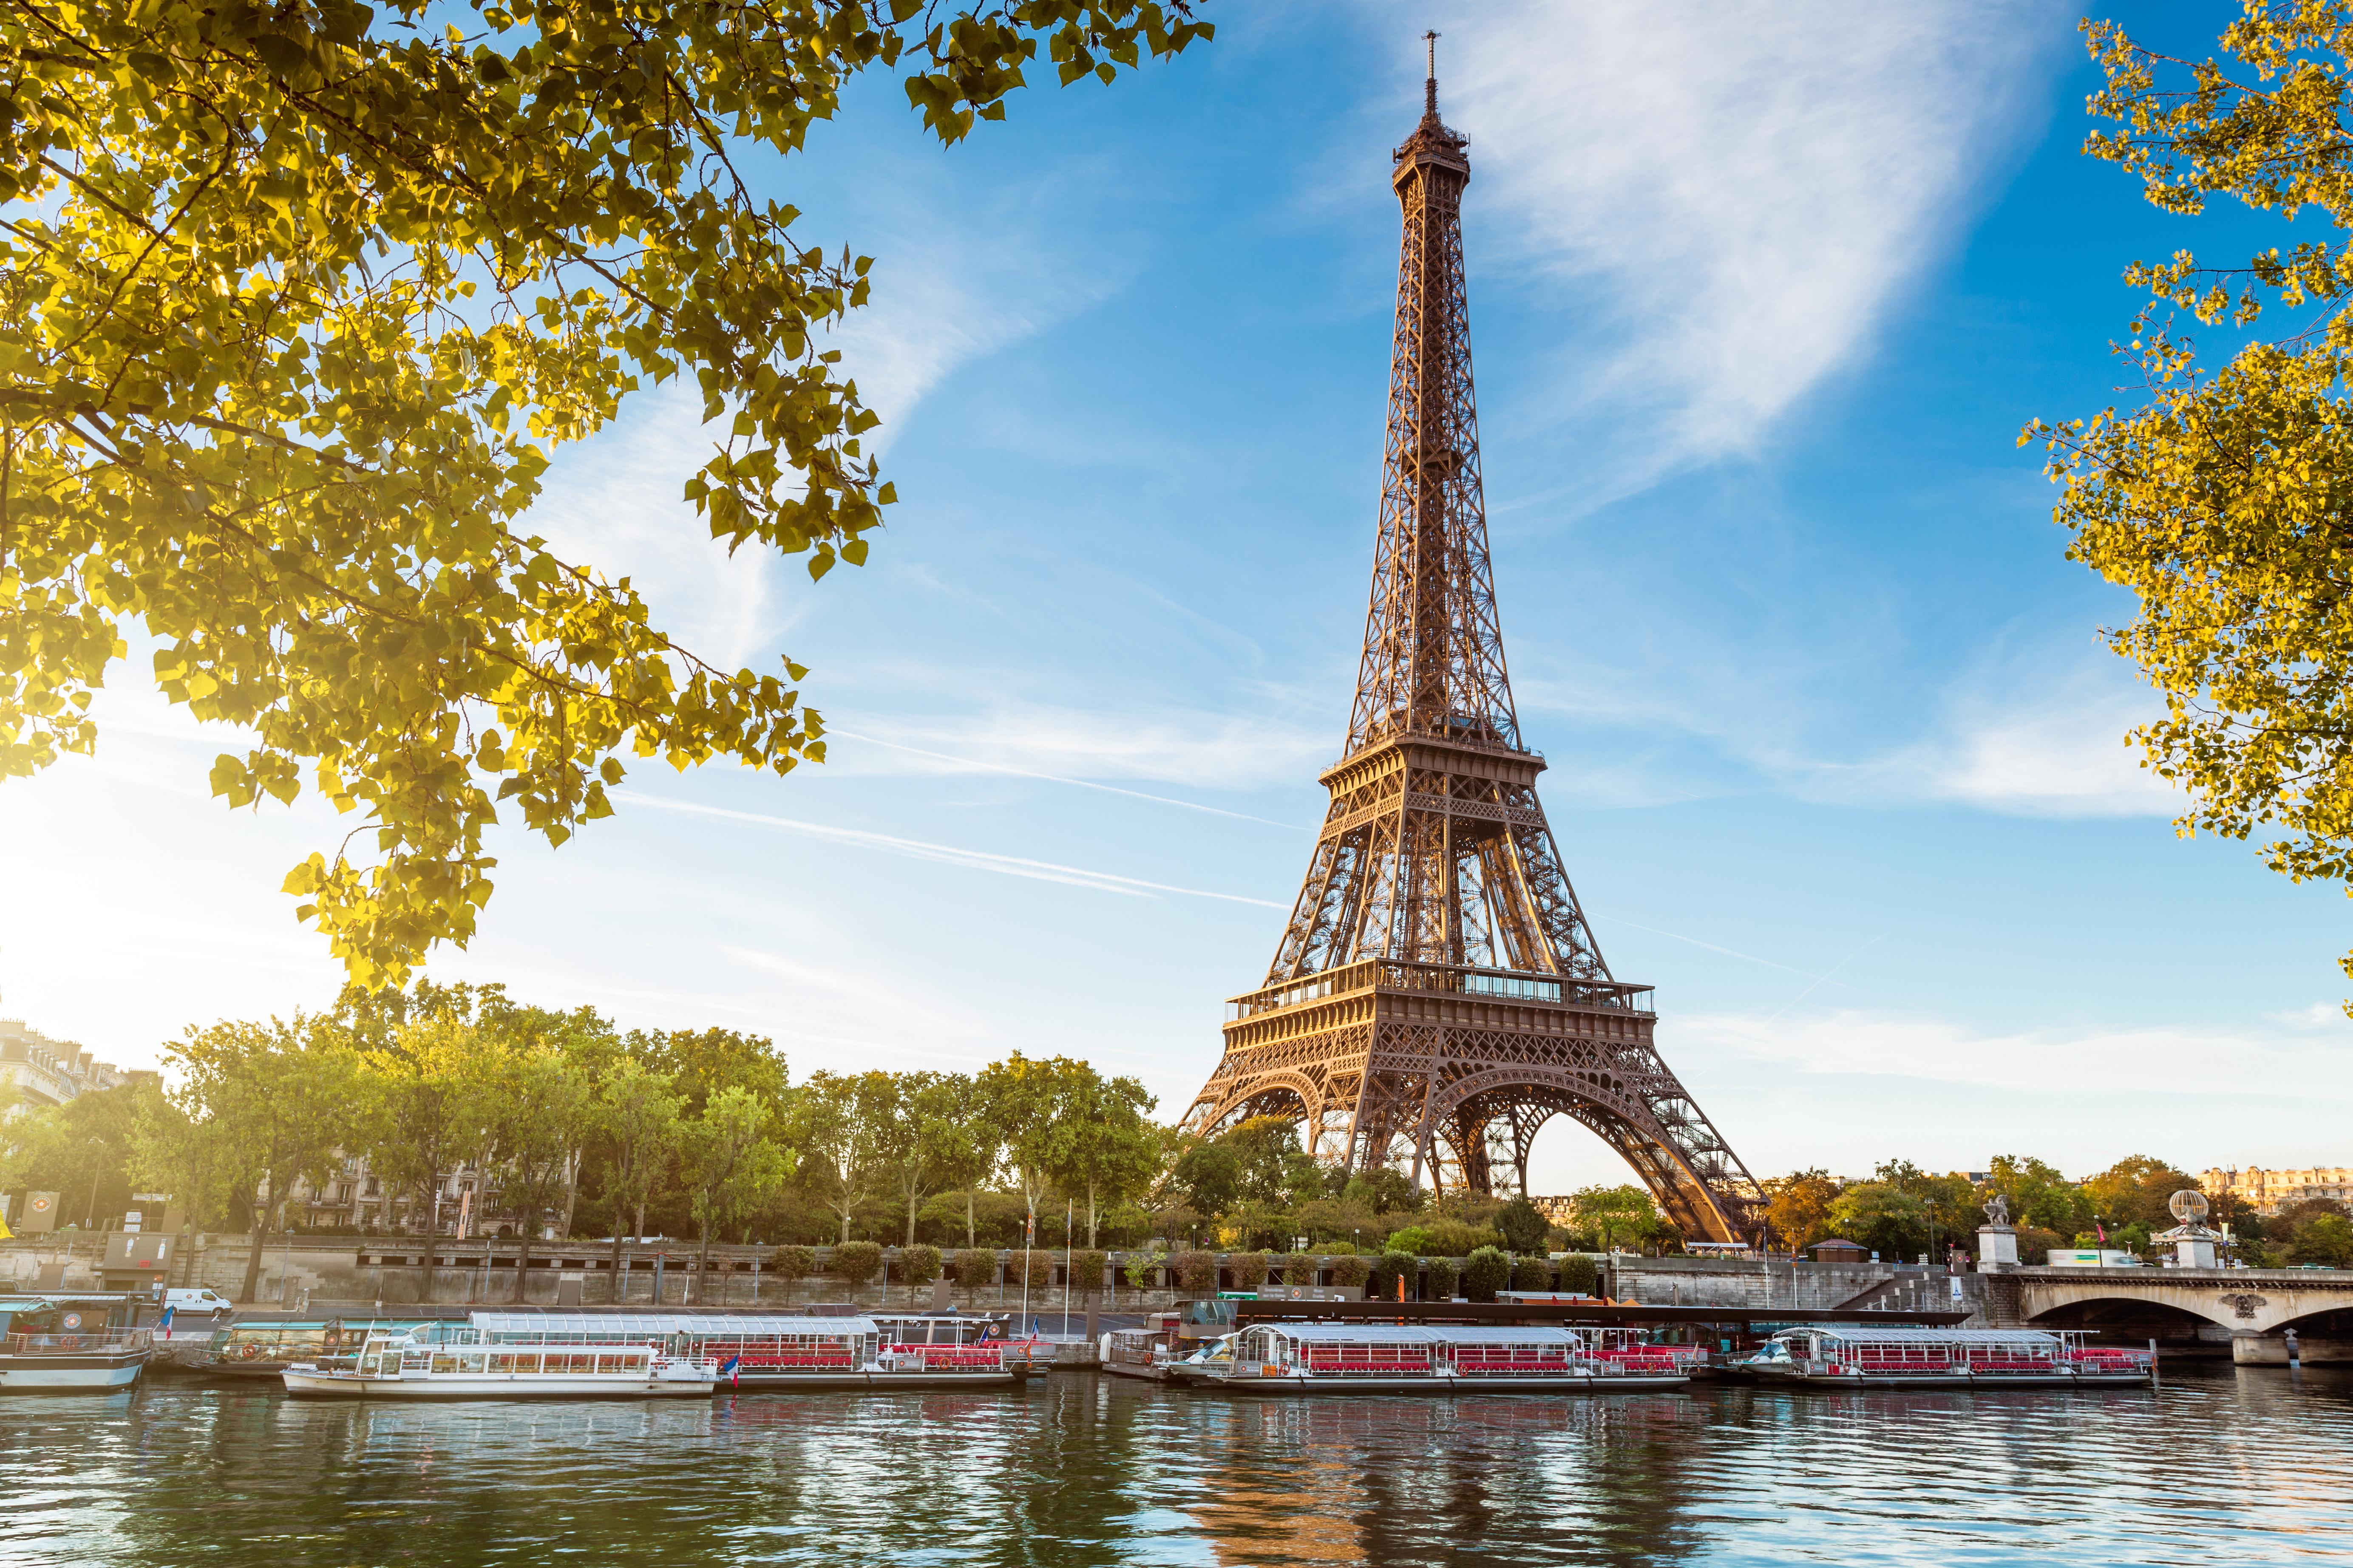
(1394,974)
(96,1340)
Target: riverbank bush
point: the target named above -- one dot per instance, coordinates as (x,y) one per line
(1142,1271)
(1530,1274)
(1247,1270)
(1580,1275)
(1439,1280)
(919,1265)
(1389,1269)
(1350,1272)
(1087,1271)
(976,1266)
(792,1263)
(854,1262)
(1194,1271)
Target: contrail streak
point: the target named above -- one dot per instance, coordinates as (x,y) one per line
(1058,778)
(1728,951)
(948,853)
(1833,969)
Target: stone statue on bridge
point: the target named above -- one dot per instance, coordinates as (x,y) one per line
(1998,1211)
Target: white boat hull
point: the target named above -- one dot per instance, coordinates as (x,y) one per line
(68,1374)
(313,1385)
(1435,1382)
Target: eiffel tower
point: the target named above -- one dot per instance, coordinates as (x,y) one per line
(1438,996)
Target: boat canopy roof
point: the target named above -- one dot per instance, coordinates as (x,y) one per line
(1417,1335)
(640,1325)
(1867,1334)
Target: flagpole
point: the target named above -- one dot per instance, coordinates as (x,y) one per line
(1028,1239)
(1070,1215)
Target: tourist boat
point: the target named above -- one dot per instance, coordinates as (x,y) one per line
(67,1345)
(1144,1352)
(778,1351)
(1851,1355)
(265,1350)
(1396,1358)
(457,1363)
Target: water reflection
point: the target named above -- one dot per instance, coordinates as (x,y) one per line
(1084,1471)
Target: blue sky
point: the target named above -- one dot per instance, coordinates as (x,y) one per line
(1760,297)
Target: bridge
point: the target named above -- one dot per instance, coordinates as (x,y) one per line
(2253,1309)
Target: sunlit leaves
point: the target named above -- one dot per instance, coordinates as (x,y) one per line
(2223,498)
(298,302)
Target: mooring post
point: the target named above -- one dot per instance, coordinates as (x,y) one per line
(2156,1374)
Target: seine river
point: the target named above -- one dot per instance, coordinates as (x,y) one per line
(2221,1466)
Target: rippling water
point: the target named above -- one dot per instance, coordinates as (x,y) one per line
(2226,1467)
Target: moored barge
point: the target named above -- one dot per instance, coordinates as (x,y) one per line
(458,1365)
(1850,1355)
(65,1345)
(1431,1358)
(778,1352)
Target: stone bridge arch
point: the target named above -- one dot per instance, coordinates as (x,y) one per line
(2255,1306)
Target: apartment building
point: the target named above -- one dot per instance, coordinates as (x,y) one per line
(39,1071)
(2265,1190)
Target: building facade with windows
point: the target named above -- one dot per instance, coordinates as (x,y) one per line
(473,1203)
(2267,1191)
(39,1072)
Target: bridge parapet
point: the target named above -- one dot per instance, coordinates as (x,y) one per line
(2244,1300)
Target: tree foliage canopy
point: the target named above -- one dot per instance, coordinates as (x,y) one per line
(2224,499)
(302,298)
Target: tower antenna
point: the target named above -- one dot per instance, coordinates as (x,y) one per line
(1430,84)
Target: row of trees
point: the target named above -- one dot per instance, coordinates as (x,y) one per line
(1902,1211)
(568,1122)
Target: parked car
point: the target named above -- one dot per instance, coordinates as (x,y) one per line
(183,1302)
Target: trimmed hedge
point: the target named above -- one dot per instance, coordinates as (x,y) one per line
(1248,1268)
(1580,1275)
(1387,1270)
(1484,1272)
(976,1266)
(1531,1274)
(1041,1268)
(857,1261)
(1351,1271)
(919,1265)
(1194,1271)
(790,1263)
(1087,1271)
(1439,1279)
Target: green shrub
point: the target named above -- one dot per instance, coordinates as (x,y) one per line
(1522,1226)
(1247,1269)
(1530,1274)
(1087,1271)
(1350,1271)
(1340,1249)
(856,1262)
(1580,1275)
(1040,1271)
(1195,1271)
(790,1263)
(1139,1269)
(976,1266)
(1439,1278)
(1392,1266)
(919,1265)
(1413,1239)
(1484,1272)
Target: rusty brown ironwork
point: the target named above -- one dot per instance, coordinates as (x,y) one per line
(1438,996)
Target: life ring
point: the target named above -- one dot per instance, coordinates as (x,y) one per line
(249,1350)
(71,1320)
(70,1341)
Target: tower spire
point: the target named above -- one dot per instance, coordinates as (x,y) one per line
(1438,994)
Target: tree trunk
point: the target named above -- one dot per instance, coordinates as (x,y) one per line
(703,1266)
(971,1230)
(614,1271)
(845,1225)
(253,1256)
(523,1263)
(1090,1217)
(911,1216)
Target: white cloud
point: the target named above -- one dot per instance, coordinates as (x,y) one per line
(1201,748)
(1730,196)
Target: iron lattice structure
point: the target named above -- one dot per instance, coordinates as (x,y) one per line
(1438,994)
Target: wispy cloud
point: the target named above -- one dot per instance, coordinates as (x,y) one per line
(968,764)
(1198,748)
(1731,195)
(945,854)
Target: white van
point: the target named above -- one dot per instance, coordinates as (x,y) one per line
(183,1302)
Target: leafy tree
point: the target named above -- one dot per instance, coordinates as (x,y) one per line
(2323,1239)
(1616,1216)
(1580,1275)
(702,1062)
(1798,1206)
(541,1106)
(1209,1175)
(2136,1191)
(1383,1191)
(919,1133)
(1102,1145)
(189,1156)
(2220,497)
(838,1124)
(302,297)
(731,1161)
(2039,1195)
(965,1149)
(83,1150)
(1028,1104)
(1881,1216)
(637,1116)
(857,1261)
(1524,1227)
(283,1097)
(432,1093)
